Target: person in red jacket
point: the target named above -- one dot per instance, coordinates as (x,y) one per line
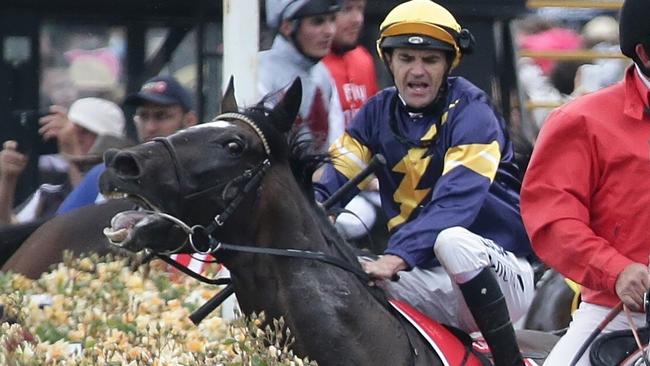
(586,193)
(353,70)
(350,64)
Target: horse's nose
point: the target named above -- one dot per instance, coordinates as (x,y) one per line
(109,155)
(124,164)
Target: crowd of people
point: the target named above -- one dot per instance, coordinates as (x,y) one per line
(450,191)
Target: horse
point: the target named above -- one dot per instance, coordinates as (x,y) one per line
(551,308)
(237,180)
(78,231)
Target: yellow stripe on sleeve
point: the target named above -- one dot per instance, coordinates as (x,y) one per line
(349,157)
(483,159)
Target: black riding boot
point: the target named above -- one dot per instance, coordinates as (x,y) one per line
(488,306)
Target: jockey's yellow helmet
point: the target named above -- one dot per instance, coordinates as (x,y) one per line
(424,24)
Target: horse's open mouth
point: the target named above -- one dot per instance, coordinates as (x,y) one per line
(124,223)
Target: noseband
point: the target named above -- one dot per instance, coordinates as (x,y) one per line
(249,180)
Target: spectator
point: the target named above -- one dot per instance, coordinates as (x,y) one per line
(163,106)
(600,34)
(350,64)
(90,126)
(535,73)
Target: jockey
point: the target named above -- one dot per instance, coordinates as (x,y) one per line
(449,188)
(305,30)
(585,195)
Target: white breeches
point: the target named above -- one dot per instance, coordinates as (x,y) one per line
(462,254)
(585,320)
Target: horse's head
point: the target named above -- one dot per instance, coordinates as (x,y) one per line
(197,176)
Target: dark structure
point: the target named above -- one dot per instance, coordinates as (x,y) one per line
(22,25)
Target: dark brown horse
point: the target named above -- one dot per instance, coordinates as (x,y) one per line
(78,231)
(551,308)
(238,180)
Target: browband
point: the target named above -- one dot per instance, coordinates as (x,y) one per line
(251,123)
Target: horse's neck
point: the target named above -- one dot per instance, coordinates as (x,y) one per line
(289,222)
(321,303)
(288,219)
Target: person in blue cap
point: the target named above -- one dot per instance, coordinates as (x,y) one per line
(163,106)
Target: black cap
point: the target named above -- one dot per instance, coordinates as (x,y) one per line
(163,90)
(634,27)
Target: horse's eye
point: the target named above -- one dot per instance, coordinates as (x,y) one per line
(234,147)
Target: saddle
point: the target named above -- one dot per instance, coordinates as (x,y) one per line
(455,347)
(617,348)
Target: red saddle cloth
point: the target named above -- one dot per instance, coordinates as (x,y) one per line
(449,348)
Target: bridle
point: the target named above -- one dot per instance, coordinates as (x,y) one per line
(246,182)
(201,238)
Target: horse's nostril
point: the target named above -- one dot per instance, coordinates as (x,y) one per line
(125,165)
(109,155)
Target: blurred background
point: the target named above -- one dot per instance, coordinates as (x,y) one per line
(531,56)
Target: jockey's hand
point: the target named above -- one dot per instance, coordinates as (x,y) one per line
(384,268)
(632,284)
(12,162)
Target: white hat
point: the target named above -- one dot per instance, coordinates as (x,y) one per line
(602,28)
(99,116)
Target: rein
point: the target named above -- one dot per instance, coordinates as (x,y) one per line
(215,247)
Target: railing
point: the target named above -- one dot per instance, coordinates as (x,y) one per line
(585,4)
(573,55)
(569,55)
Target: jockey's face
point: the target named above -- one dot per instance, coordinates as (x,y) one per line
(315,34)
(349,22)
(155,120)
(418,74)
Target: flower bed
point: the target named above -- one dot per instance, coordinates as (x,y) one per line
(100,312)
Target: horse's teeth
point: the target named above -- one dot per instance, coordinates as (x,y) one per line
(115,195)
(116,237)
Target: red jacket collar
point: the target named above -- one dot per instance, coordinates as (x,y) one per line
(636,95)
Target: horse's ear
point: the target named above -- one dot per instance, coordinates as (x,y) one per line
(285,112)
(229,103)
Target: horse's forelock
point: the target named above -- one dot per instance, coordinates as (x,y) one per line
(277,141)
